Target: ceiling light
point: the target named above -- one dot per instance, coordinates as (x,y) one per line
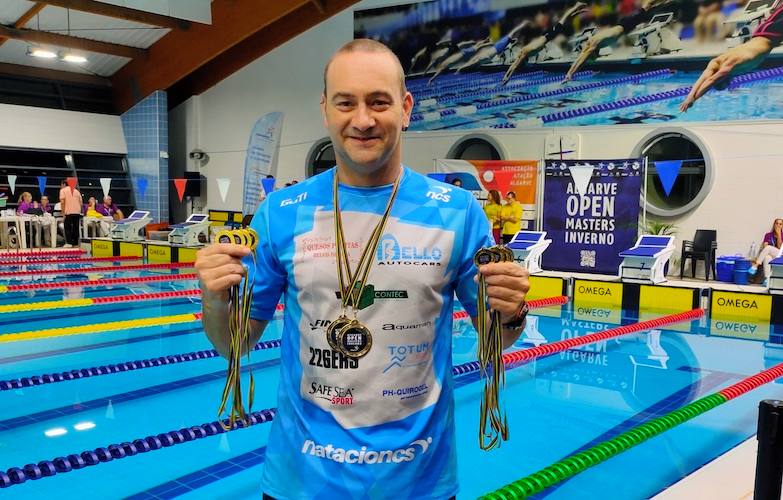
(73,58)
(83,426)
(42,53)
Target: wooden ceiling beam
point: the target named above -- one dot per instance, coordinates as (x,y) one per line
(178,54)
(320,5)
(34,10)
(117,12)
(71,42)
(17,70)
(252,48)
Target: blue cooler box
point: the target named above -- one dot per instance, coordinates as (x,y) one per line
(741,267)
(724,267)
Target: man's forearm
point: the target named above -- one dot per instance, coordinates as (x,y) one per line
(215,319)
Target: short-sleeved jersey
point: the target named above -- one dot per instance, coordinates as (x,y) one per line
(380,426)
(772,27)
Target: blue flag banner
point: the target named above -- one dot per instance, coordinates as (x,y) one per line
(42,184)
(667,173)
(268,183)
(261,158)
(437,176)
(591,213)
(141,185)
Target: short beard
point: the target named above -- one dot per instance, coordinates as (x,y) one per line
(361,168)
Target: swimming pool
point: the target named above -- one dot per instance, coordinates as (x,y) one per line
(475,100)
(556,405)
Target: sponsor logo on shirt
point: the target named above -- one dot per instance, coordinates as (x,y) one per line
(439,193)
(406,392)
(293,201)
(407,356)
(401,328)
(327,358)
(383,294)
(390,252)
(338,396)
(364,456)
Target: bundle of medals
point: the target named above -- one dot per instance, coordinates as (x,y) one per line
(490,355)
(347,334)
(239,301)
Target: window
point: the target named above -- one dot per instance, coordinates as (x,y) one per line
(476,147)
(694,179)
(321,157)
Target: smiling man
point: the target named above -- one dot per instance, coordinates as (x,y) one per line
(367,258)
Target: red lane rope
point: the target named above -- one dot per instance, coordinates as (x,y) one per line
(750,383)
(147,296)
(53,251)
(532,304)
(82,270)
(564,345)
(34,261)
(101,282)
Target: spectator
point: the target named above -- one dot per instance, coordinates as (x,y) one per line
(71,203)
(26,203)
(492,210)
(708,24)
(770,248)
(456,182)
(511,217)
(109,209)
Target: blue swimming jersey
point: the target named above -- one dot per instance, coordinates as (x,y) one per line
(381,426)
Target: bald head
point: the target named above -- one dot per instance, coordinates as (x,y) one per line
(369,46)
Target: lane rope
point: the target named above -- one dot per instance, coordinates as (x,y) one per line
(99,282)
(70,303)
(84,270)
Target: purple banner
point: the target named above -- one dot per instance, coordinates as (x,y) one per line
(591,213)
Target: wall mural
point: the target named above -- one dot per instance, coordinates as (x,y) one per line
(602,62)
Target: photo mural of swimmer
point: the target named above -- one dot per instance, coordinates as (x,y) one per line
(589,62)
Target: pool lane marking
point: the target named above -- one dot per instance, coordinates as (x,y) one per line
(99,282)
(100,327)
(69,303)
(34,261)
(84,270)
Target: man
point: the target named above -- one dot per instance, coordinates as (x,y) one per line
(345,425)
(109,209)
(71,206)
(740,59)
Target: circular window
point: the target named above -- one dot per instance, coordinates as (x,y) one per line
(476,147)
(321,157)
(679,172)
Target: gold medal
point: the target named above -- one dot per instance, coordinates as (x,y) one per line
(332,330)
(354,339)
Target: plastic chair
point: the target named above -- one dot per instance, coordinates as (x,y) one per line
(703,247)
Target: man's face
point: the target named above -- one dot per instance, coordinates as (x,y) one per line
(107,201)
(364,109)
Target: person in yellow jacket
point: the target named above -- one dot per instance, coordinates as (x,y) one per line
(511,217)
(492,211)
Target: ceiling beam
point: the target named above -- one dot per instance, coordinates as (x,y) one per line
(17,70)
(250,49)
(71,42)
(320,5)
(34,10)
(126,13)
(178,54)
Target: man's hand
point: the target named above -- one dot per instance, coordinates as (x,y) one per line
(219,267)
(734,61)
(507,286)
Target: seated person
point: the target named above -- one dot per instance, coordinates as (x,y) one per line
(708,24)
(109,209)
(45,205)
(770,248)
(26,204)
(94,227)
(47,219)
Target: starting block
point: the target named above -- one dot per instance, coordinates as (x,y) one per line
(655,37)
(187,233)
(748,19)
(645,261)
(775,280)
(528,247)
(129,229)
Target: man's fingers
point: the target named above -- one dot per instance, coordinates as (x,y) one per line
(504,269)
(225,248)
(508,294)
(223,283)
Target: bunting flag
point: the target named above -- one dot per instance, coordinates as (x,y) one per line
(223,184)
(180,185)
(71,182)
(437,176)
(12,182)
(581,175)
(141,185)
(268,183)
(42,184)
(106,185)
(667,173)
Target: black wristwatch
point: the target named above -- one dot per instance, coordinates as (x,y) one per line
(519,318)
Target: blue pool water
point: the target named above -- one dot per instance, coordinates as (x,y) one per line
(449,93)
(556,405)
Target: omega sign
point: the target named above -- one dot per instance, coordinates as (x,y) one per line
(744,307)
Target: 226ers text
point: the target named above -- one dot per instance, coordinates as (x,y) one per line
(327,358)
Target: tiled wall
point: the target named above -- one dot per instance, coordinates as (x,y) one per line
(145,126)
